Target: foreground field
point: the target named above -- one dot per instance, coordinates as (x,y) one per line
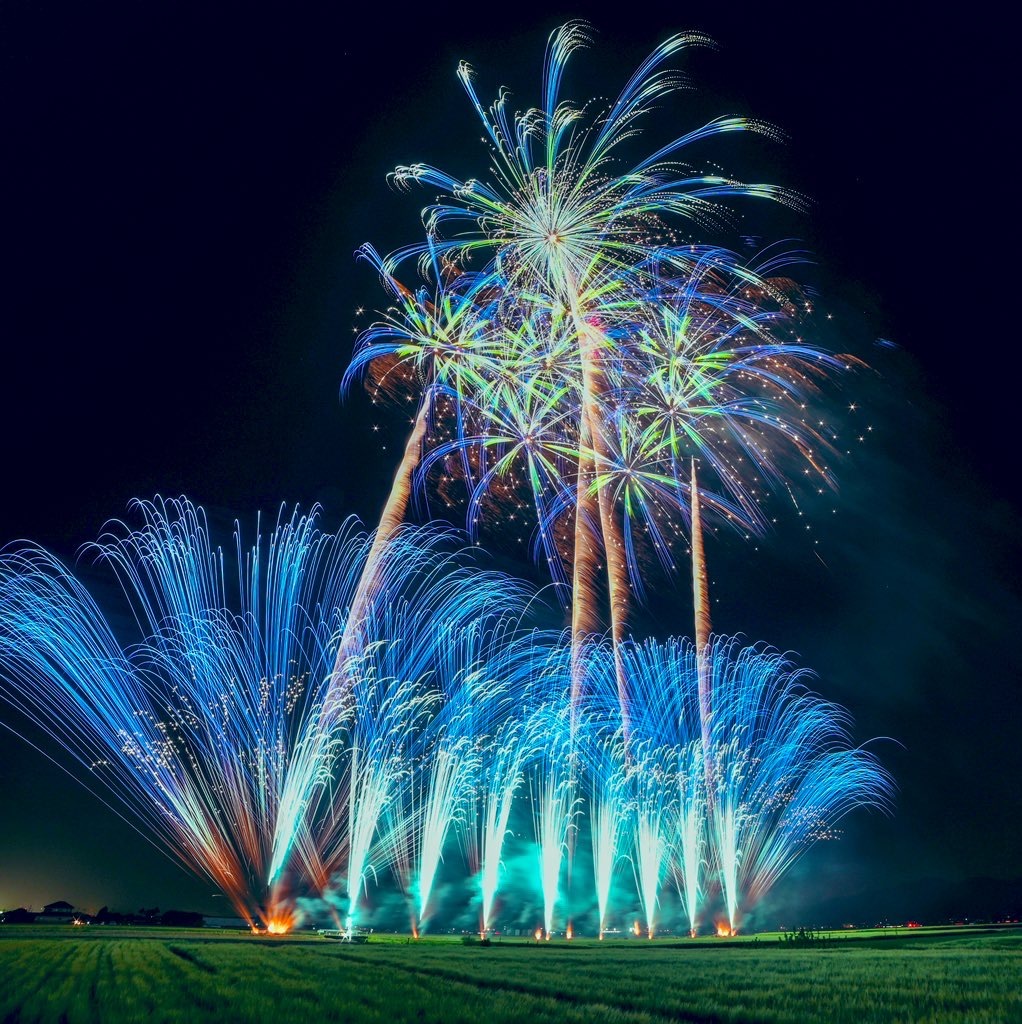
(111,975)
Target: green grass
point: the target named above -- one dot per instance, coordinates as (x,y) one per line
(110,975)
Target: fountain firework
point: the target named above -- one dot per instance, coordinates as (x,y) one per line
(608,811)
(201,724)
(199,727)
(554,804)
(785,771)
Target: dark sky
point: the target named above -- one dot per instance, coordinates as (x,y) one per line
(182,195)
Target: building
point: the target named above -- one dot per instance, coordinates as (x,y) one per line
(60,912)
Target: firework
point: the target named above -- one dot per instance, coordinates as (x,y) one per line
(785,772)
(601,343)
(207,724)
(669,831)
(349,708)
(510,715)
(456,725)
(554,807)
(608,813)
(191,727)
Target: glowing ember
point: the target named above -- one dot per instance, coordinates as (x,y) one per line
(724,930)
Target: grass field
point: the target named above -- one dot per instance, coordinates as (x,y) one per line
(111,975)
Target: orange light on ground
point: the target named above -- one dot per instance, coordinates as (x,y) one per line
(279,915)
(724,930)
(280,923)
(569,933)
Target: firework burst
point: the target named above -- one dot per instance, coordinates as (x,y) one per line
(601,343)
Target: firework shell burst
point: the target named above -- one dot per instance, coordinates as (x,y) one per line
(601,343)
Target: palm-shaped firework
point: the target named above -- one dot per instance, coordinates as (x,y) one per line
(597,348)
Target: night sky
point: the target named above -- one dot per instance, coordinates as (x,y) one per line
(182,197)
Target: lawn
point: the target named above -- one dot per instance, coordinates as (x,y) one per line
(110,975)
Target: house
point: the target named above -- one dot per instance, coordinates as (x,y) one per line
(60,912)
(60,907)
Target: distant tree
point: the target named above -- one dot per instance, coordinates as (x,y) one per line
(19,916)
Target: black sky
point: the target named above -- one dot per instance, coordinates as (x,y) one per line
(183,192)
